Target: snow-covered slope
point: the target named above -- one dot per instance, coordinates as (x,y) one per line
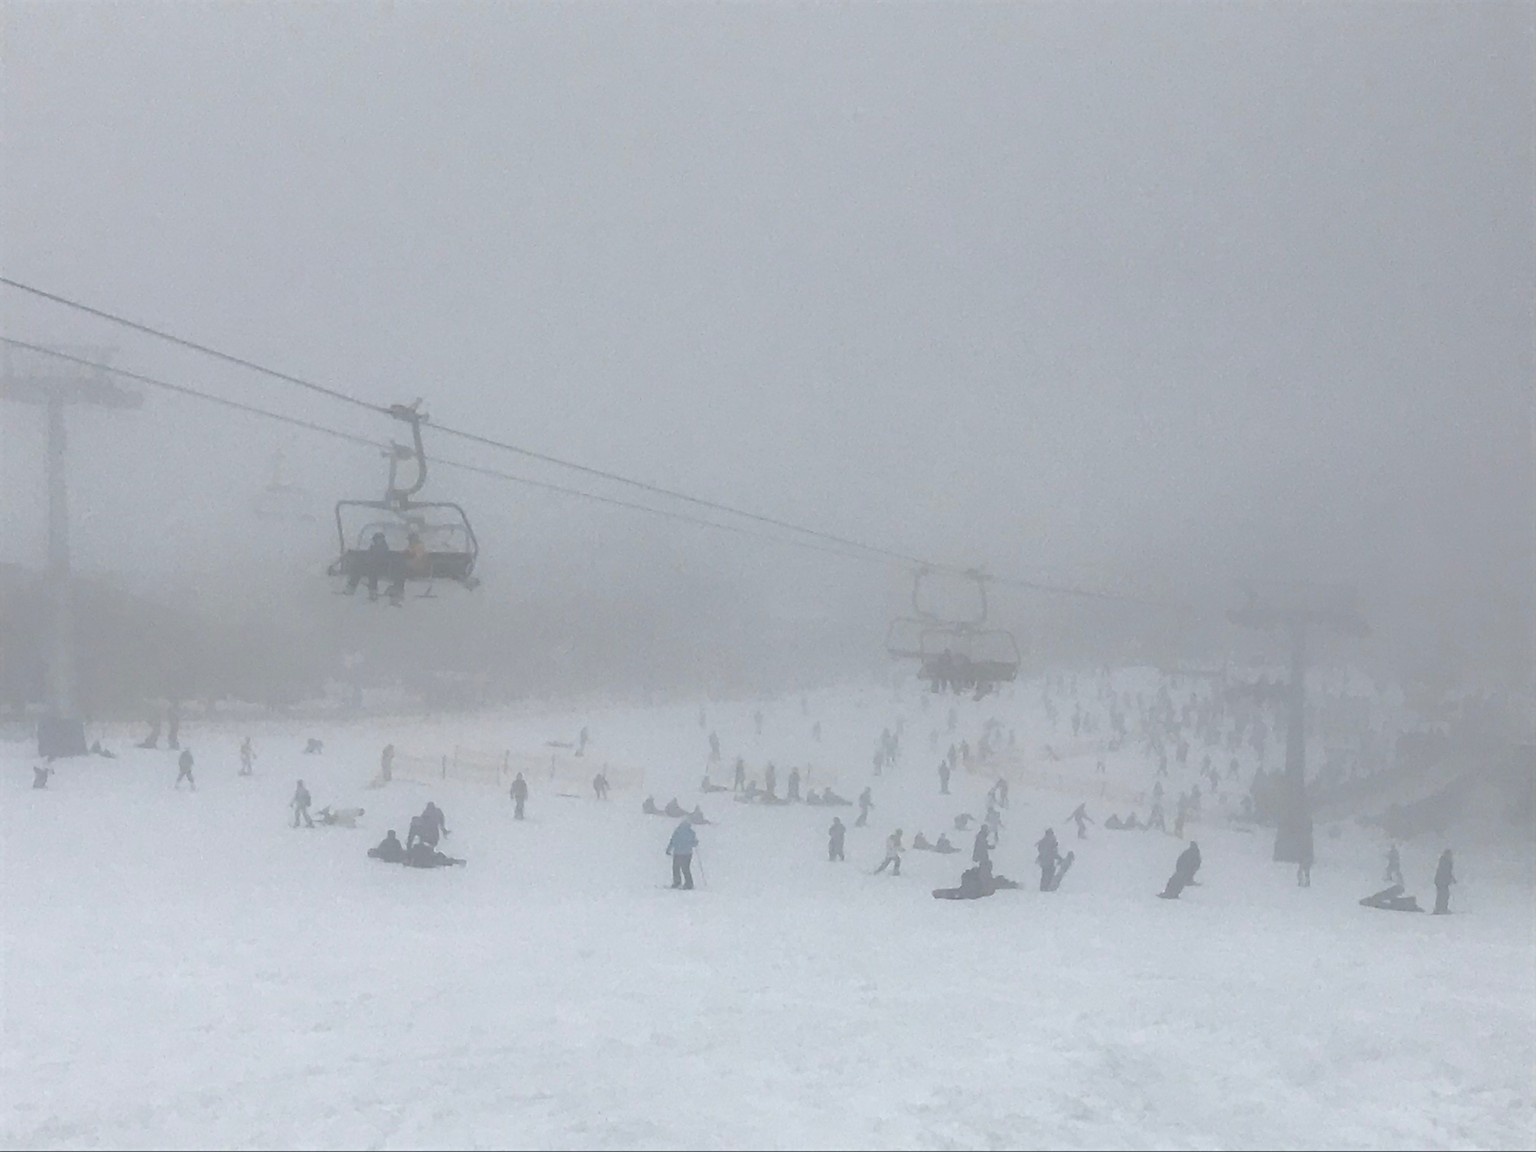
(185,969)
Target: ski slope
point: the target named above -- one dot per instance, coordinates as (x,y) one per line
(186,970)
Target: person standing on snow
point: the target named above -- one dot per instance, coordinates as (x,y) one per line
(1394,866)
(893,852)
(1304,858)
(247,756)
(1445,876)
(519,796)
(835,836)
(866,802)
(739,781)
(944,777)
(300,805)
(680,848)
(184,769)
(1047,855)
(600,786)
(1080,817)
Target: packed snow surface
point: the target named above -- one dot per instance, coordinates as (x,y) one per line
(185,969)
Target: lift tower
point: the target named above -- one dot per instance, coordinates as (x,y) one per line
(1297,607)
(56,382)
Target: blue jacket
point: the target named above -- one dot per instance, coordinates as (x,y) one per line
(684,841)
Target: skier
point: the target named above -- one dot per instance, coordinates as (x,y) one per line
(600,786)
(944,777)
(835,836)
(680,848)
(1304,858)
(1444,878)
(300,806)
(1080,817)
(519,795)
(184,769)
(739,781)
(1047,855)
(794,784)
(866,802)
(40,774)
(892,854)
(389,849)
(1394,866)
(1184,870)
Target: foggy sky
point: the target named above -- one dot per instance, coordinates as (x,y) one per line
(1145,295)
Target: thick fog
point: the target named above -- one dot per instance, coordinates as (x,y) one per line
(1144,297)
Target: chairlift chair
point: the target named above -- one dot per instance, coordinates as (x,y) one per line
(449,547)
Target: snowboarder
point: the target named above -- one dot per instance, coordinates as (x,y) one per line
(389,849)
(943,777)
(892,854)
(835,836)
(247,756)
(184,769)
(866,802)
(1394,866)
(340,817)
(40,774)
(680,847)
(1081,818)
(1184,871)
(519,793)
(600,786)
(1444,878)
(372,564)
(300,806)
(1047,854)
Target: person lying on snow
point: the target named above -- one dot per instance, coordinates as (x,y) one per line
(342,817)
(423,855)
(1392,900)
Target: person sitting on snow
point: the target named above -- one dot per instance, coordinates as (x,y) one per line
(389,849)
(943,844)
(648,806)
(674,809)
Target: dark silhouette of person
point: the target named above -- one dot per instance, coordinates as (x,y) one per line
(835,836)
(1445,876)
